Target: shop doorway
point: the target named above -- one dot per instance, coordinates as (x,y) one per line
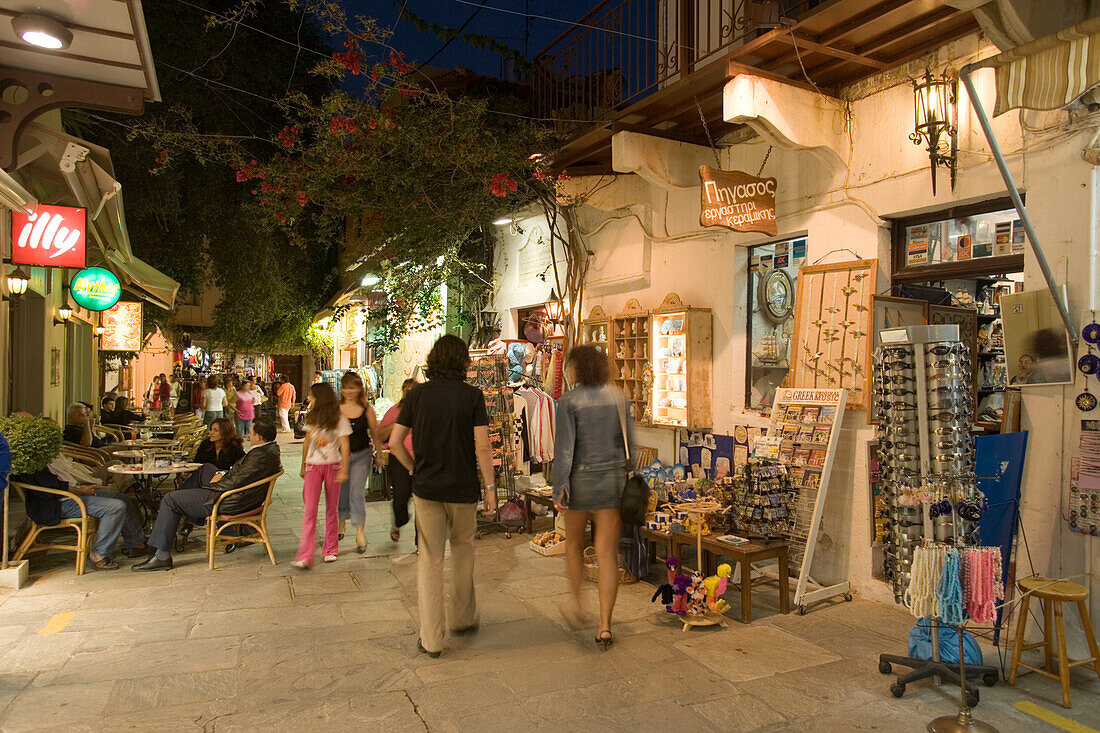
(78,363)
(28,353)
(291,366)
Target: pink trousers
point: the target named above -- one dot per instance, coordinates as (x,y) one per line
(316,476)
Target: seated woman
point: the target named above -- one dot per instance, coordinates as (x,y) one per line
(123,415)
(223,447)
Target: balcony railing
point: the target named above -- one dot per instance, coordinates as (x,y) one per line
(623,50)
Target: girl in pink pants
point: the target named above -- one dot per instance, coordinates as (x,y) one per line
(324,464)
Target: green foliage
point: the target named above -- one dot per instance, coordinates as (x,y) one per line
(34,442)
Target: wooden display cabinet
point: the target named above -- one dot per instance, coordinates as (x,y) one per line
(596,329)
(681,355)
(629,353)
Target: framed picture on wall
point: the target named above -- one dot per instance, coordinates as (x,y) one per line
(55,367)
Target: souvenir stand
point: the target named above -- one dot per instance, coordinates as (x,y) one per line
(595,329)
(490,374)
(924,402)
(806,422)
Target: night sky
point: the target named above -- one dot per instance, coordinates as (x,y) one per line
(505,27)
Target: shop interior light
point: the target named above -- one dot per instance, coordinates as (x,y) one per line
(369,280)
(100,330)
(935,123)
(18,280)
(439,261)
(64,313)
(41,31)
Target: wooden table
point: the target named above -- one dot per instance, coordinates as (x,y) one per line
(535,497)
(744,555)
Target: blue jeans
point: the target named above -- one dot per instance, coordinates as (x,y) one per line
(116,516)
(244,427)
(353,501)
(210,416)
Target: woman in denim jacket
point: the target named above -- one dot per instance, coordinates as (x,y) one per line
(590,462)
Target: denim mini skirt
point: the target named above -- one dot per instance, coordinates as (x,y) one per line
(593,490)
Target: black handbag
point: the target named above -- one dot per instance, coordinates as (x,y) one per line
(635,503)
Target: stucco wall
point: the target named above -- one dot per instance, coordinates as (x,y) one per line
(643,230)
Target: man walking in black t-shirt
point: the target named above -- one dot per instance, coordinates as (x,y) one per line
(450,428)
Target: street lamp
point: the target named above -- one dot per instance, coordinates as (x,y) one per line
(64,313)
(18,280)
(935,121)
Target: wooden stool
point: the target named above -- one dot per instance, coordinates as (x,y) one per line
(1054,593)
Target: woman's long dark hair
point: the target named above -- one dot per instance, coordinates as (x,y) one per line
(228,431)
(405,387)
(325,413)
(448,359)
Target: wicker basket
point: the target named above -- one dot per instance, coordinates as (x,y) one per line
(591,571)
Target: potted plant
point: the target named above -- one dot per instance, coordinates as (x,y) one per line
(32,442)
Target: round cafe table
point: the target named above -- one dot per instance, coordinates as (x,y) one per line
(147,498)
(129,455)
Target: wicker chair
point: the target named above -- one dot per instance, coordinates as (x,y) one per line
(217,523)
(85,526)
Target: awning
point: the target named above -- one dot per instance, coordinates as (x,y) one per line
(1048,73)
(81,172)
(144,280)
(14,196)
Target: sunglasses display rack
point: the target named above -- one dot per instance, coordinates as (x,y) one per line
(807,422)
(923,401)
(924,406)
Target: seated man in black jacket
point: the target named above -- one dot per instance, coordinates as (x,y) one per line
(196,500)
(78,427)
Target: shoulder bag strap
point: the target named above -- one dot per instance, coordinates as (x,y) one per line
(621,401)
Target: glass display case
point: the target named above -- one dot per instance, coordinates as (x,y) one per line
(681,361)
(629,352)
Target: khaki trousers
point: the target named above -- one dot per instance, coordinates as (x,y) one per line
(432,521)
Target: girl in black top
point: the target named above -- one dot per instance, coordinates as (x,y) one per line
(364,426)
(223,447)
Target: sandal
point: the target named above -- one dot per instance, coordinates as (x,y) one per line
(604,642)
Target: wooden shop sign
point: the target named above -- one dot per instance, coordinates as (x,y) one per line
(737,200)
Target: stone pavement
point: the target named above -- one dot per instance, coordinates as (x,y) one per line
(253,646)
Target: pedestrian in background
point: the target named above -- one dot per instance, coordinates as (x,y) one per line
(325,453)
(213,401)
(164,393)
(364,425)
(245,408)
(450,427)
(286,395)
(400,479)
(173,391)
(591,447)
(152,394)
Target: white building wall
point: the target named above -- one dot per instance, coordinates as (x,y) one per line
(645,235)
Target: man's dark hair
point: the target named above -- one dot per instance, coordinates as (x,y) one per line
(448,359)
(590,364)
(105,400)
(265,428)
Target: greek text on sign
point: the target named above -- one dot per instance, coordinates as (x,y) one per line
(53,236)
(737,200)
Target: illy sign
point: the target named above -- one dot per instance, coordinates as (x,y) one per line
(53,236)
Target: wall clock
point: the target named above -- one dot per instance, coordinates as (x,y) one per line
(776,296)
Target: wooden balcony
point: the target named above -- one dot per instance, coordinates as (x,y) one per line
(659,66)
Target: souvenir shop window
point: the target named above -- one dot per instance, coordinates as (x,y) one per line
(964,241)
(961,261)
(773,278)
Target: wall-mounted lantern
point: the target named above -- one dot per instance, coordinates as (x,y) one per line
(935,107)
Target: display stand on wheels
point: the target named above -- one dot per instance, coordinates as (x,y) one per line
(489,373)
(924,404)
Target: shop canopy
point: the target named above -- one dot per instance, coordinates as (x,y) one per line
(66,169)
(1049,73)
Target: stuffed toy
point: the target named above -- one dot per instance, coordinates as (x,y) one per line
(697,596)
(680,600)
(666,593)
(711,585)
(724,572)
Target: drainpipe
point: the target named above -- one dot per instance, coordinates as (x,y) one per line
(1094,241)
(1032,238)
